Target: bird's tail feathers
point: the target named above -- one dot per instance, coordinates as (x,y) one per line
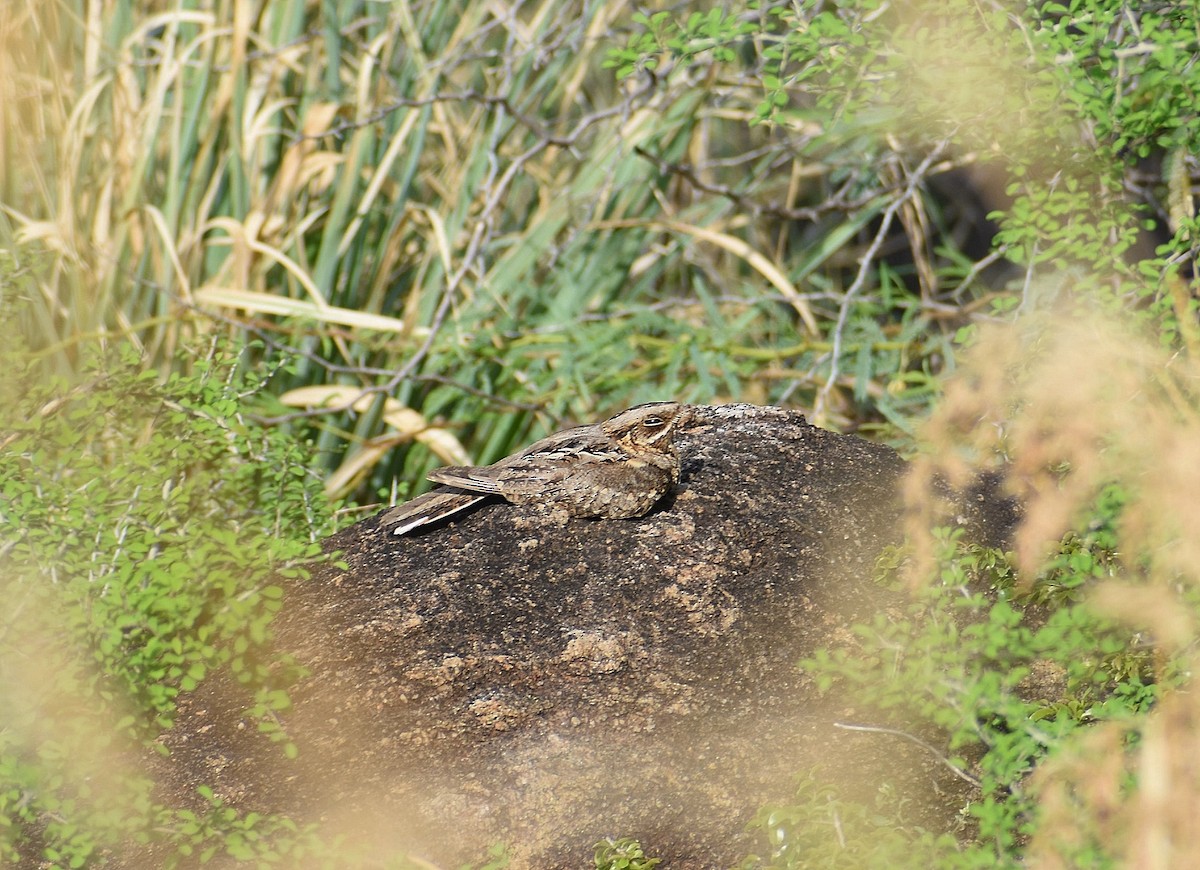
(429,508)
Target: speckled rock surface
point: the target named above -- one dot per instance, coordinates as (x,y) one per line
(499,678)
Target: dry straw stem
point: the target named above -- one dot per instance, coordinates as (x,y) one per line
(914,180)
(738,248)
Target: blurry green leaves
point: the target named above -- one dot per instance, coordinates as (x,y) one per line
(715,32)
(222,831)
(622,854)
(1008,678)
(819,829)
(146,524)
(159,512)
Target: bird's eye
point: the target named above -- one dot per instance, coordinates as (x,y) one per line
(653,422)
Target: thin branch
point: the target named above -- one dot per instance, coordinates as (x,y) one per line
(933,750)
(1027,285)
(864,269)
(472,96)
(749,204)
(977,268)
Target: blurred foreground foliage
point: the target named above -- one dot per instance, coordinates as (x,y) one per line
(149,527)
(442,228)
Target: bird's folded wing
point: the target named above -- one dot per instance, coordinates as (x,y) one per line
(472,478)
(522,474)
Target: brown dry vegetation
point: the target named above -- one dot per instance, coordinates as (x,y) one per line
(1067,404)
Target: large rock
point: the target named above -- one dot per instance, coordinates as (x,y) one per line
(501,679)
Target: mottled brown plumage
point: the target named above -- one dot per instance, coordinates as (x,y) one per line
(615,469)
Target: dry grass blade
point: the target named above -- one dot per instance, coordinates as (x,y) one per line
(408,425)
(267,303)
(758,261)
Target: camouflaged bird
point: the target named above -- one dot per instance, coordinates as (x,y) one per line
(616,469)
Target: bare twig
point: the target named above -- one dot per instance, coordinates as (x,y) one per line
(545,137)
(915,179)
(751,206)
(933,750)
(976,268)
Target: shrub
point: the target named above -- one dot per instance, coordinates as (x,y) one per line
(151,528)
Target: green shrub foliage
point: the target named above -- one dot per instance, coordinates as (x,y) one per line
(150,530)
